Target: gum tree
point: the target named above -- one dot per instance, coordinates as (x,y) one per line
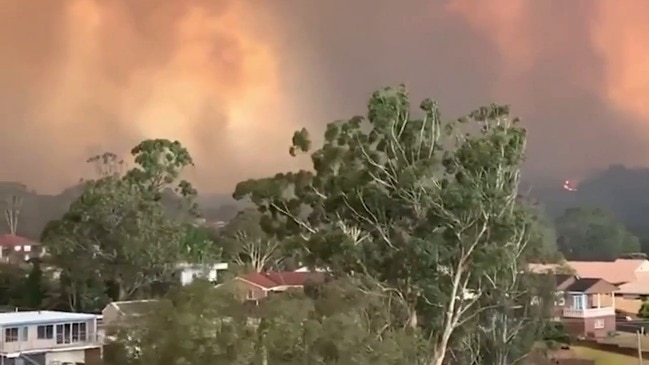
(118,232)
(427,209)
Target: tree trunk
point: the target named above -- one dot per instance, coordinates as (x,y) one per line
(440,349)
(412,318)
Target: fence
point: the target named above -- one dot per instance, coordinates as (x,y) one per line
(633,326)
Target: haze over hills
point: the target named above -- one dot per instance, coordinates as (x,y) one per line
(622,190)
(38,209)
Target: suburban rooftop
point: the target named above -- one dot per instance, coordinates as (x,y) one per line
(37,317)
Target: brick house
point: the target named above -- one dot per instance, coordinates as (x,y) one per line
(257,286)
(586,306)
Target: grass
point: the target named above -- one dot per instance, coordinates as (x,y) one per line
(624,339)
(603,357)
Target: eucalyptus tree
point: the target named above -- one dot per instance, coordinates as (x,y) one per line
(425,208)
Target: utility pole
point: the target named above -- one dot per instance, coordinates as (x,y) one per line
(639,337)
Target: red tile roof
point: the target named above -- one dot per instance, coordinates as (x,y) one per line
(259,279)
(275,279)
(616,272)
(11,240)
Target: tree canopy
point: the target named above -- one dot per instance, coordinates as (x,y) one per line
(426,209)
(337,324)
(117,239)
(593,234)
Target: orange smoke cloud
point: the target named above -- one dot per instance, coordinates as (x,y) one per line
(619,35)
(110,73)
(504,23)
(588,53)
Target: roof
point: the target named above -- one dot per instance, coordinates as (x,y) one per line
(35,317)
(11,240)
(618,271)
(562,278)
(635,287)
(133,307)
(582,284)
(276,279)
(640,286)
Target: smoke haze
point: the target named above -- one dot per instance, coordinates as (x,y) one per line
(232,79)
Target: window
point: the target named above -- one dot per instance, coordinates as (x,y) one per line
(599,324)
(17,248)
(45,332)
(11,334)
(27,248)
(71,332)
(250,295)
(24,333)
(577,302)
(75,332)
(82,331)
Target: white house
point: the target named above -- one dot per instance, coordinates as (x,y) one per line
(48,337)
(188,272)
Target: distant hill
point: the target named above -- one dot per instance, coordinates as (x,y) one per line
(39,209)
(619,189)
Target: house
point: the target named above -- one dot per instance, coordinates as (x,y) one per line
(256,286)
(586,306)
(188,272)
(630,275)
(17,248)
(630,296)
(47,337)
(116,314)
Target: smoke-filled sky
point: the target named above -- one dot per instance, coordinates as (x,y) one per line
(232,79)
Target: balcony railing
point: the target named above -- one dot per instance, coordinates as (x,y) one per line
(588,312)
(35,344)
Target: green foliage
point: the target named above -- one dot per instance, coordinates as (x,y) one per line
(200,325)
(199,246)
(117,237)
(543,237)
(593,234)
(427,209)
(555,333)
(159,165)
(644,310)
(35,287)
(12,279)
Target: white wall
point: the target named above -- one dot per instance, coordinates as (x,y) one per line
(187,275)
(66,356)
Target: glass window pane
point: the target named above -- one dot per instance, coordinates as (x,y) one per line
(59,333)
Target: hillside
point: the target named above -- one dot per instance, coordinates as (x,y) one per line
(38,209)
